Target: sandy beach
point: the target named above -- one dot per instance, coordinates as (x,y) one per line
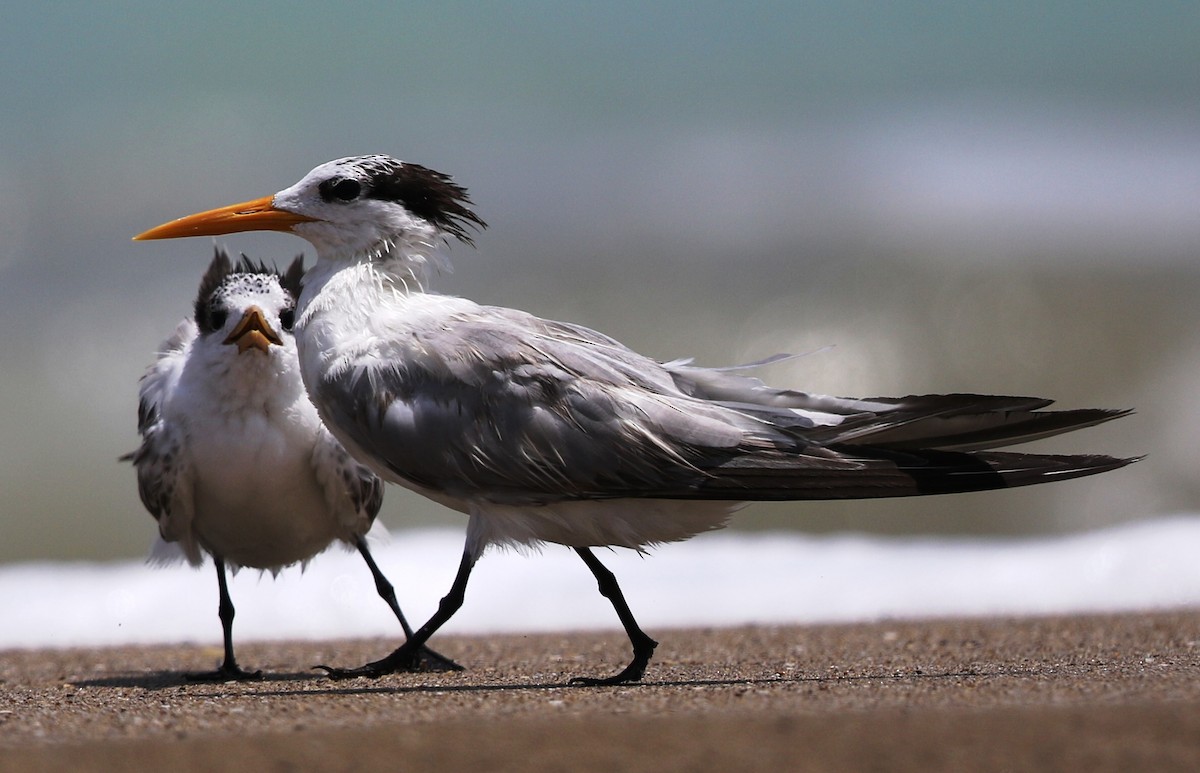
(1112,692)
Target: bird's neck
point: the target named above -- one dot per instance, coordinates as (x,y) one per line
(387,267)
(348,292)
(340,303)
(405,257)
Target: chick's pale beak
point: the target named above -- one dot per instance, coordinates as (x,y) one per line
(253,330)
(256,215)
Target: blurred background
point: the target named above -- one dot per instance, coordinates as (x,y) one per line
(953,196)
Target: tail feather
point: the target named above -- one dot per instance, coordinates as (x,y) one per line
(949,422)
(878,472)
(961,431)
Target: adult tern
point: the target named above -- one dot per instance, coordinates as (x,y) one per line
(234,461)
(546,431)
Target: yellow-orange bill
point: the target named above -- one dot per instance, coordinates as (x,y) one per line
(254,215)
(253,330)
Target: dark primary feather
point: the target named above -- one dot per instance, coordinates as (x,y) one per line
(882,473)
(960,422)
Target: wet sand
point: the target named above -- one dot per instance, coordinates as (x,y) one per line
(1072,693)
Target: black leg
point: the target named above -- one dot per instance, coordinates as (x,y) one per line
(229,670)
(643,645)
(385,589)
(429,660)
(407,657)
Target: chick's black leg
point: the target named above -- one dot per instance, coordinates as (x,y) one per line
(229,669)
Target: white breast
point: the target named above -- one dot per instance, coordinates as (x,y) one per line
(250,439)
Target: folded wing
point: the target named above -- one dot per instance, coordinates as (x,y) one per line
(499,405)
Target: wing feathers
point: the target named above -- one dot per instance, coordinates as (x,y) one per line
(498,405)
(908,428)
(893,475)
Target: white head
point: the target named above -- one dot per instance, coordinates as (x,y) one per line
(246,305)
(358,208)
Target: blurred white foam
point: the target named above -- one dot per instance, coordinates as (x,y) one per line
(723,578)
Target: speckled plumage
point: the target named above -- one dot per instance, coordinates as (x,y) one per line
(234,460)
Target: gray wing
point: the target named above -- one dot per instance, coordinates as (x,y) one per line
(163,473)
(954,422)
(353,492)
(502,405)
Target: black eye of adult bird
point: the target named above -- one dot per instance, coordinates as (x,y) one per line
(546,431)
(344,189)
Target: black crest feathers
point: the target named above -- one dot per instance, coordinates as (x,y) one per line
(222,267)
(424,192)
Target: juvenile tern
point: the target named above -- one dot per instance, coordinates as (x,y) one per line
(234,461)
(546,431)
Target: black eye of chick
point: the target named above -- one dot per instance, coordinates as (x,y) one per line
(216,318)
(340,189)
(287,318)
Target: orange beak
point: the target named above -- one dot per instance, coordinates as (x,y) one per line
(253,331)
(255,215)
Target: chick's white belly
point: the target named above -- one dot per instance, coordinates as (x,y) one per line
(258,503)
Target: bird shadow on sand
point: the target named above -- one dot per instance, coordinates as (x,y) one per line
(317,683)
(277,685)
(161,680)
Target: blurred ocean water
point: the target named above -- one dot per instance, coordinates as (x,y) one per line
(955,198)
(719,579)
